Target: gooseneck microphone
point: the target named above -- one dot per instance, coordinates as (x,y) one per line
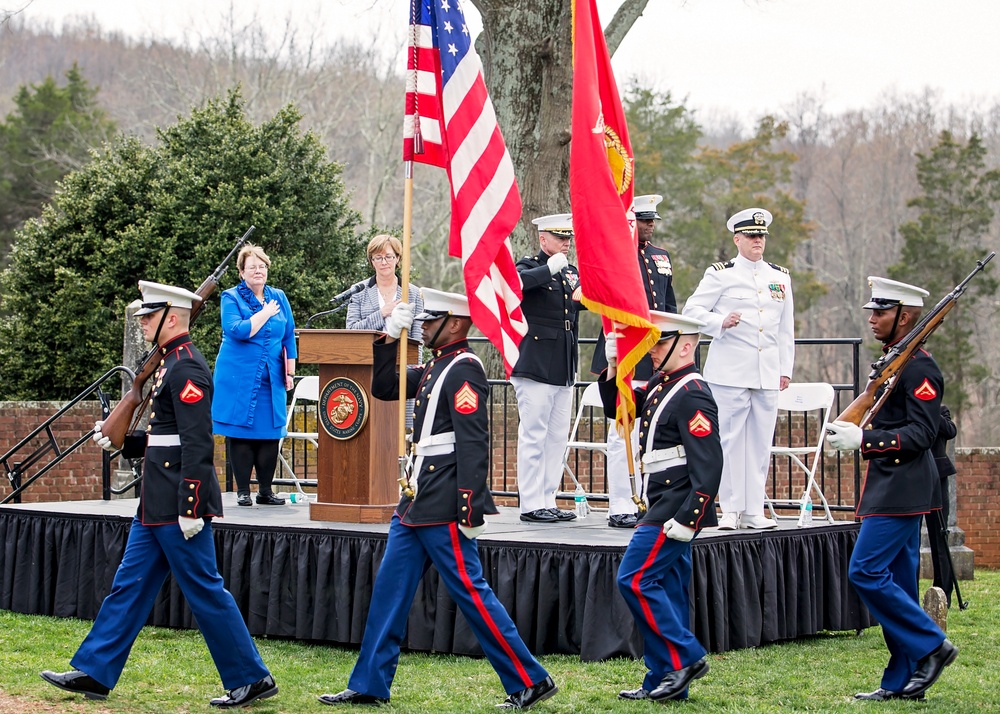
(356,288)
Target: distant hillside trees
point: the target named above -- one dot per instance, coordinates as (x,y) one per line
(51,131)
(169,213)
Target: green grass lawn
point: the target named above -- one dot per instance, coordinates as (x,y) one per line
(171,671)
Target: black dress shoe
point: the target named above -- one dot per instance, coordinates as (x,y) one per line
(349,696)
(623,520)
(633,694)
(243,499)
(78,682)
(929,669)
(527,698)
(563,515)
(241,696)
(542,515)
(269,499)
(674,683)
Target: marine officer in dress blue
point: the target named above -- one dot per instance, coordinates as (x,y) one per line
(545,372)
(657,277)
(898,491)
(681,456)
(439,524)
(172,531)
(747,306)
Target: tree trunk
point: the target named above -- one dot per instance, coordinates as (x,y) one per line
(527,53)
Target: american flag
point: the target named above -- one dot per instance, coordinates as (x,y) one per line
(450,123)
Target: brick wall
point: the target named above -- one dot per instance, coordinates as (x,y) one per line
(978,502)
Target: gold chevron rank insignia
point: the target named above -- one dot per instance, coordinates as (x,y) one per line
(191,394)
(700,425)
(925,391)
(466,400)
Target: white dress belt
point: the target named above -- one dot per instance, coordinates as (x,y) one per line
(436,444)
(163,440)
(661,459)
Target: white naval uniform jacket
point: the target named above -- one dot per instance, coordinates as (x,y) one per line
(761,348)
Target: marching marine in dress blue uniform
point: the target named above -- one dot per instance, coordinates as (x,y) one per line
(681,456)
(172,531)
(440,523)
(657,278)
(898,490)
(545,372)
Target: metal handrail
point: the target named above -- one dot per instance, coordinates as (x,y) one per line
(15,470)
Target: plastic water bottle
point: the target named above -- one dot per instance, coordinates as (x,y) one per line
(580,501)
(805,512)
(295,497)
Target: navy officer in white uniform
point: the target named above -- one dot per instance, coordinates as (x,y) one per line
(439,524)
(746,305)
(545,371)
(172,531)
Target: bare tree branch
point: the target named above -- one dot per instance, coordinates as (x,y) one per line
(621,23)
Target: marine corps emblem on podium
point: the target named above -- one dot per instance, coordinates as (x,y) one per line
(343,408)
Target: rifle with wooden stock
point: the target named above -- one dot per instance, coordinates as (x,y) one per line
(885,371)
(127,414)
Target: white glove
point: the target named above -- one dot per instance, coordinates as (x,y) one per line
(472,532)
(557,262)
(190,527)
(400,319)
(843,435)
(103,441)
(675,531)
(611,347)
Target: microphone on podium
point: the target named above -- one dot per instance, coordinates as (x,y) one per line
(356,288)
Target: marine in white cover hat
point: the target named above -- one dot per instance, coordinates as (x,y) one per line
(558,224)
(645,207)
(156,296)
(438,303)
(888,293)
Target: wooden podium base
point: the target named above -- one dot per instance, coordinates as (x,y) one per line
(351,512)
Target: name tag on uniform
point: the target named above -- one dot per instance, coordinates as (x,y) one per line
(663,264)
(777,291)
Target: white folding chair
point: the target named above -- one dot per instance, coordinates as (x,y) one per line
(591,398)
(307,390)
(803,398)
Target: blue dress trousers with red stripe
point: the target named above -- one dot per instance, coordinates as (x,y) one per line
(898,490)
(452,491)
(655,573)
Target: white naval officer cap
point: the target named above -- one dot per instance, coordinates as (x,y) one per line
(889,293)
(156,296)
(750,221)
(645,207)
(672,323)
(438,303)
(558,224)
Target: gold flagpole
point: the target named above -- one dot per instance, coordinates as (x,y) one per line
(404,279)
(627,425)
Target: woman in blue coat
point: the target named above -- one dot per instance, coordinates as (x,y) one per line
(255,366)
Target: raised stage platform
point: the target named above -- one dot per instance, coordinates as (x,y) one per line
(308,580)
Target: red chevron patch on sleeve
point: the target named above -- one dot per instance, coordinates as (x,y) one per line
(925,391)
(191,394)
(700,425)
(466,400)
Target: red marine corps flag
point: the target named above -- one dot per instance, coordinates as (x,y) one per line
(600,186)
(450,123)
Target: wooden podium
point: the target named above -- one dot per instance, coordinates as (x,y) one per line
(356,473)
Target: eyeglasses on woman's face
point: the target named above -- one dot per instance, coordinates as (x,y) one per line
(390,258)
